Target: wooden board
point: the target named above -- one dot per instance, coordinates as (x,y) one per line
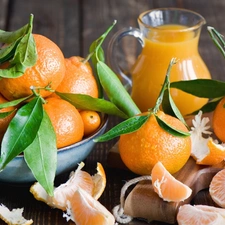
(143,202)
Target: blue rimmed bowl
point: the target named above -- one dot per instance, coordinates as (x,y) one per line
(68,157)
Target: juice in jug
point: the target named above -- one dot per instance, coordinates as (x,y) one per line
(148,74)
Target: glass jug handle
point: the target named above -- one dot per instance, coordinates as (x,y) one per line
(111,53)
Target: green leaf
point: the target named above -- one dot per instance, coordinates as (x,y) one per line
(21,131)
(5,114)
(217,39)
(41,155)
(169,106)
(170,129)
(209,107)
(14,102)
(7,52)
(25,53)
(201,87)
(130,125)
(87,102)
(22,53)
(9,37)
(115,90)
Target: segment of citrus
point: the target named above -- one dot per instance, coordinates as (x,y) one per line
(142,149)
(217,188)
(83,209)
(205,150)
(188,214)
(99,180)
(13,217)
(94,185)
(79,78)
(49,70)
(168,187)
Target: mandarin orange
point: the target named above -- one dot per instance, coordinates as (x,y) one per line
(218,121)
(66,120)
(91,120)
(48,70)
(142,149)
(79,78)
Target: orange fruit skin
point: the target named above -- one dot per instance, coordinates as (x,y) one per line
(79,78)
(49,69)
(91,120)
(66,121)
(218,121)
(5,121)
(142,149)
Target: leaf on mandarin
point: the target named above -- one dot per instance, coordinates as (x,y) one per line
(21,131)
(38,153)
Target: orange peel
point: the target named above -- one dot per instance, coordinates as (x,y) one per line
(205,150)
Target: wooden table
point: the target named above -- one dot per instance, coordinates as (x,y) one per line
(73,25)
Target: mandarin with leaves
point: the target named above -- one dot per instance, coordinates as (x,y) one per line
(142,149)
(79,78)
(66,120)
(49,70)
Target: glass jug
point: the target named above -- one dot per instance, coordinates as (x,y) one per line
(164,34)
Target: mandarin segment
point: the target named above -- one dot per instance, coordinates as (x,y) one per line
(49,70)
(167,187)
(66,120)
(191,215)
(79,78)
(93,185)
(83,209)
(142,149)
(217,188)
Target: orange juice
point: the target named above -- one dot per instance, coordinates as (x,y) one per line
(160,46)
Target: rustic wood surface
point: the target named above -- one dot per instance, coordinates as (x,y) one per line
(73,25)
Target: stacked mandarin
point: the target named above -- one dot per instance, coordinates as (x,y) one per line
(68,75)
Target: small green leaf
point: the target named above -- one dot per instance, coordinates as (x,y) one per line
(25,53)
(14,102)
(115,90)
(169,106)
(41,155)
(217,39)
(201,87)
(130,125)
(5,114)
(21,131)
(9,37)
(209,106)
(87,102)
(7,52)
(170,129)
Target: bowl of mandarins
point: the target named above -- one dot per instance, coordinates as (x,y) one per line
(43,131)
